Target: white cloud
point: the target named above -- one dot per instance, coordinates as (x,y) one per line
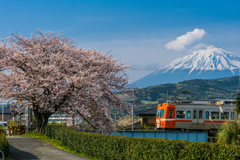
(186,39)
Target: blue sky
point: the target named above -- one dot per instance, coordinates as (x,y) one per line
(136,31)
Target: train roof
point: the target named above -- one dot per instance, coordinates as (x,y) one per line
(205,102)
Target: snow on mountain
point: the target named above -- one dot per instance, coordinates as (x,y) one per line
(201,62)
(205,57)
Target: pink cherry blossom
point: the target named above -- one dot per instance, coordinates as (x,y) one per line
(51,73)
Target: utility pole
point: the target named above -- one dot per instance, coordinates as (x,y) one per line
(13,113)
(115,119)
(132,118)
(167,97)
(60,116)
(27,118)
(238,87)
(30,118)
(2,112)
(239,79)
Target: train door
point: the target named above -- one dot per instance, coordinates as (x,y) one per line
(197,120)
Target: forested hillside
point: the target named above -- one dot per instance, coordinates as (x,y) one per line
(223,88)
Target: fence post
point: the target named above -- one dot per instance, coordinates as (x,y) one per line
(3,157)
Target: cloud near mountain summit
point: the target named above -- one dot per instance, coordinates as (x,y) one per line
(186,39)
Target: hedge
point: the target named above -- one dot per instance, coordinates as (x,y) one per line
(4,146)
(118,147)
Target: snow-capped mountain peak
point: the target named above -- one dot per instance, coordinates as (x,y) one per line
(201,62)
(205,57)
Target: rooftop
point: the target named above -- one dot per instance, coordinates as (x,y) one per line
(152,111)
(6,110)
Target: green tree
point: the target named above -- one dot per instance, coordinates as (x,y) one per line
(237,103)
(229,133)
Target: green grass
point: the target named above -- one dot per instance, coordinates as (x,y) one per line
(7,158)
(56,143)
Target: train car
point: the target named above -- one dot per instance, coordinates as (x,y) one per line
(194,115)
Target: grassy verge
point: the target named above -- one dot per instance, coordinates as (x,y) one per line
(7,158)
(56,143)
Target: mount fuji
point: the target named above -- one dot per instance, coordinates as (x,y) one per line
(201,62)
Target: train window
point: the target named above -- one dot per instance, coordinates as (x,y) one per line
(207,114)
(170,114)
(181,114)
(188,114)
(200,114)
(215,115)
(162,113)
(194,114)
(158,113)
(232,115)
(225,115)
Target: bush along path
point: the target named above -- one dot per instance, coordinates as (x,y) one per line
(101,146)
(4,146)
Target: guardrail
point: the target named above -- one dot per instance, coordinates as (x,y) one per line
(20,130)
(3,157)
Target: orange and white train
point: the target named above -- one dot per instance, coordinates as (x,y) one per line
(194,115)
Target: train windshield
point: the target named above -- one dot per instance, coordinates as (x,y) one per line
(158,113)
(162,113)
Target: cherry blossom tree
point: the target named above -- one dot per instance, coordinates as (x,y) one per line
(51,73)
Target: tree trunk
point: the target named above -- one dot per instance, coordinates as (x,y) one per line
(41,120)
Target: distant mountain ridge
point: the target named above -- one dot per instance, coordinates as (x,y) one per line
(222,88)
(201,62)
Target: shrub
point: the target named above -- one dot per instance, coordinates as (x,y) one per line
(2,132)
(229,133)
(4,146)
(209,151)
(120,147)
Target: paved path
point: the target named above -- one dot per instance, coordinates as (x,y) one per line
(25,148)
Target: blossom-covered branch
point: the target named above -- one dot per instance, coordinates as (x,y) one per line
(50,72)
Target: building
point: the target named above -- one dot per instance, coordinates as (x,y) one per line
(65,118)
(148,117)
(4,118)
(7,112)
(127,122)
